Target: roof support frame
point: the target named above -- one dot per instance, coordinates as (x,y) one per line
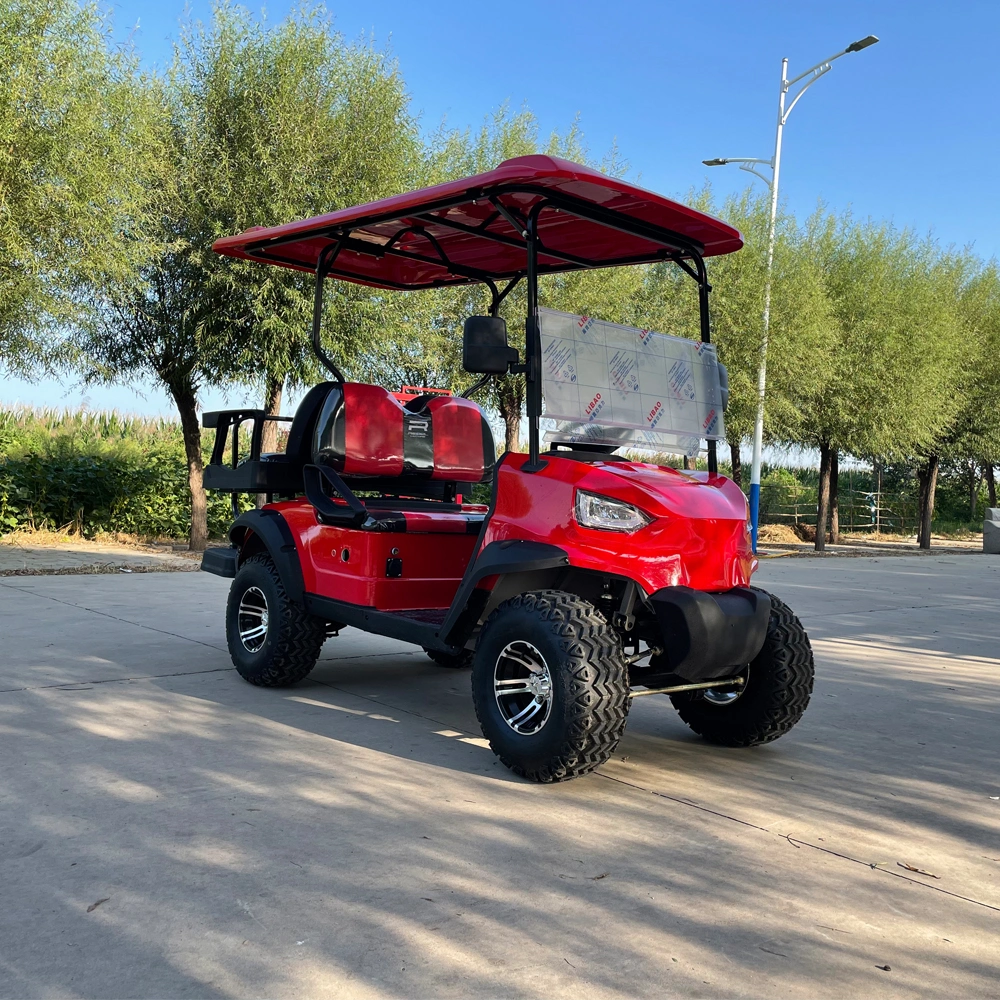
(583,209)
(683,251)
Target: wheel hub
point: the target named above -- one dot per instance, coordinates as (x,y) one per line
(252,619)
(727,695)
(522,685)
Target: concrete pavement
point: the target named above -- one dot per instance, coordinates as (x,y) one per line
(352,837)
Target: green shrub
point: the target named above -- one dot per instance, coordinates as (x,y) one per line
(97,472)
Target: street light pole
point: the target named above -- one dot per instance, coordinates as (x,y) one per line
(749,163)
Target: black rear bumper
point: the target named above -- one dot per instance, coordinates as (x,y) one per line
(708,635)
(220,561)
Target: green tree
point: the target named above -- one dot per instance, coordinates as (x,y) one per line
(152,323)
(281,124)
(977,427)
(891,389)
(800,328)
(70,168)
(254,126)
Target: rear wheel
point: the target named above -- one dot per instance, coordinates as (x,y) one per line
(457,661)
(550,685)
(778,684)
(273,642)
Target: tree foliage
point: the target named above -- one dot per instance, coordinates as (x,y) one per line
(279,124)
(71,152)
(114,184)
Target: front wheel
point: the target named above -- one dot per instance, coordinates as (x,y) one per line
(550,685)
(779,682)
(273,641)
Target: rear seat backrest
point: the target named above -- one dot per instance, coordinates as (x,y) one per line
(363,430)
(299,446)
(463,441)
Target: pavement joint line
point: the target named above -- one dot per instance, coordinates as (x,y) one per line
(883,611)
(186,673)
(76,685)
(124,621)
(795,842)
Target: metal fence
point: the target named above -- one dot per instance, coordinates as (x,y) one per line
(784,499)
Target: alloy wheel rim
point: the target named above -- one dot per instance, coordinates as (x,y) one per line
(522,686)
(252,619)
(726,696)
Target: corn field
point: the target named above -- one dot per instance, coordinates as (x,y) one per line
(96,472)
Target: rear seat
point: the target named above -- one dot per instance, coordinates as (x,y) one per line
(364,434)
(364,431)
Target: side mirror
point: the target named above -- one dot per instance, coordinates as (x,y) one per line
(484,346)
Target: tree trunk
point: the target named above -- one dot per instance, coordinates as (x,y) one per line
(273,388)
(510,397)
(186,397)
(737,461)
(823,500)
(991,485)
(877,494)
(272,407)
(927,476)
(690,463)
(835,497)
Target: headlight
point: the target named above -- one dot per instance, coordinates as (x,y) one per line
(593,511)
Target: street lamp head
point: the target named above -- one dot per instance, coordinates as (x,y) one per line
(715,163)
(862,43)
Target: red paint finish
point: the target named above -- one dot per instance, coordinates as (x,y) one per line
(433,563)
(373,431)
(459,452)
(375,443)
(698,537)
(466,202)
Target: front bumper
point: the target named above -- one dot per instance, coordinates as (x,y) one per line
(710,635)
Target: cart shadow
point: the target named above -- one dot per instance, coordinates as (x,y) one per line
(321,839)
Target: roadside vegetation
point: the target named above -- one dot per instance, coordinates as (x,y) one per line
(885,346)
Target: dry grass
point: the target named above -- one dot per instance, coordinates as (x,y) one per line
(777,534)
(63,537)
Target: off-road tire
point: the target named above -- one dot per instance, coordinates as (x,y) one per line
(293,639)
(779,683)
(589,689)
(456,661)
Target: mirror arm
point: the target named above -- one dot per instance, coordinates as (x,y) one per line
(476,386)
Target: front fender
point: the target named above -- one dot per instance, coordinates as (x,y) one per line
(514,562)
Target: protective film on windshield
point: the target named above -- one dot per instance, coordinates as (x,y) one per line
(611,385)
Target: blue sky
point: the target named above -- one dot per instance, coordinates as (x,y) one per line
(906,130)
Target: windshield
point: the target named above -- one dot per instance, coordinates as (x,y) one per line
(611,385)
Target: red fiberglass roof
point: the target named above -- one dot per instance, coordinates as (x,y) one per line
(473,229)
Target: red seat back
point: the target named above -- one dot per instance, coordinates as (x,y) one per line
(363,430)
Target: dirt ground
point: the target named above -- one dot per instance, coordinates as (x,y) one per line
(44,553)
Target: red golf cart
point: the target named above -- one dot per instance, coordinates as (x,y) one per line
(592,576)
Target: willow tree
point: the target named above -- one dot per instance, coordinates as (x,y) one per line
(68,169)
(279,124)
(799,331)
(892,389)
(150,324)
(975,432)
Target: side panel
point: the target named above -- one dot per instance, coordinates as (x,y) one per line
(388,571)
(698,537)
